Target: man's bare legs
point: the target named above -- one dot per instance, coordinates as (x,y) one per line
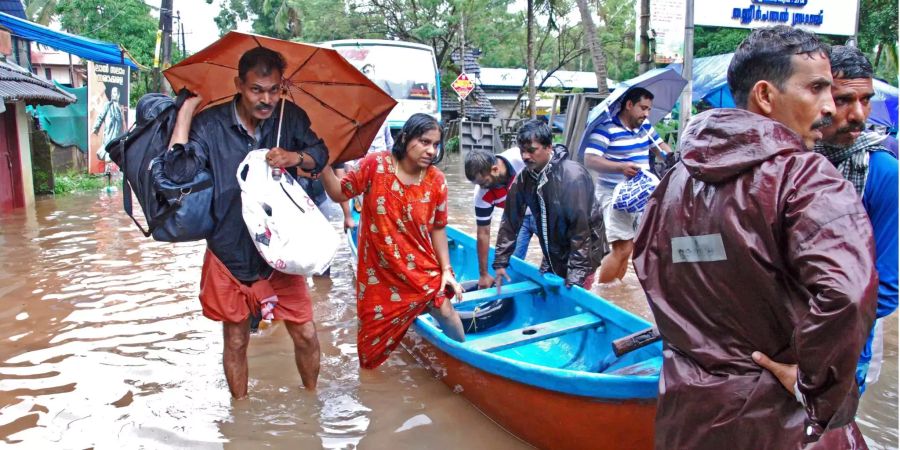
(234,356)
(615,264)
(306,351)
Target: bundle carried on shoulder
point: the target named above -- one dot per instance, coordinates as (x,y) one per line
(289,231)
(173,211)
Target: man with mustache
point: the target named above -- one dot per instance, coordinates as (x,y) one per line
(236,282)
(757,260)
(862,159)
(560,195)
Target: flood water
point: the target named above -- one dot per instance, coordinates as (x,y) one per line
(104,345)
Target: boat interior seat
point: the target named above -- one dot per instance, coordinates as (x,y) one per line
(506,291)
(647,367)
(536,332)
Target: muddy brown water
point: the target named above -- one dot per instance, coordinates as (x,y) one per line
(104,346)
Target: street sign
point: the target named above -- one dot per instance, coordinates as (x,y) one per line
(463,86)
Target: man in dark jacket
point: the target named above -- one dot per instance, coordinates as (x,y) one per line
(863,160)
(236,281)
(757,259)
(560,194)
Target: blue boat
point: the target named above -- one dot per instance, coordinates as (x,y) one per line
(538,359)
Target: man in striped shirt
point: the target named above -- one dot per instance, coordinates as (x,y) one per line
(493,176)
(617,150)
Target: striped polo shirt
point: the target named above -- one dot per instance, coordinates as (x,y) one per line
(616,142)
(487,199)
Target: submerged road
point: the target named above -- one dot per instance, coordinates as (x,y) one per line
(104,346)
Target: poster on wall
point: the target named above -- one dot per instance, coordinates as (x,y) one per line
(836,17)
(666,31)
(107,111)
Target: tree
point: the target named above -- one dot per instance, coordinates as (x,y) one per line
(126,22)
(40,11)
(711,41)
(617,38)
(877,36)
(593,45)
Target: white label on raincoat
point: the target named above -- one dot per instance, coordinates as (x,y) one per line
(706,248)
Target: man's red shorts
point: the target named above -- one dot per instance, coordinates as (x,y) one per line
(225,299)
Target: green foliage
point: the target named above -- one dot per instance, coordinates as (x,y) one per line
(711,41)
(452,145)
(126,22)
(41,180)
(616,35)
(877,36)
(40,11)
(77,182)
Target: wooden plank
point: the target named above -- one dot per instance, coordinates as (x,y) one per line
(537,332)
(508,290)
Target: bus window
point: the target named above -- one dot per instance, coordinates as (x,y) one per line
(407,72)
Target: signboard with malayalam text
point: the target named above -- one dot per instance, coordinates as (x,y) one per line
(463,86)
(836,17)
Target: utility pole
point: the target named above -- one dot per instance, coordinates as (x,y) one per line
(183,44)
(462,58)
(687,70)
(165,49)
(645,36)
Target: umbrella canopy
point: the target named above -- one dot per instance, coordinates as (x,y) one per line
(884,105)
(665,84)
(346,109)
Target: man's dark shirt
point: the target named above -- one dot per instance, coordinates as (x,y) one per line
(219,142)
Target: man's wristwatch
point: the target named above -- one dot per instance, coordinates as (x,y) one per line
(300,163)
(176,146)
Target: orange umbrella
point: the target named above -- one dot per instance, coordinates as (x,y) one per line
(346,109)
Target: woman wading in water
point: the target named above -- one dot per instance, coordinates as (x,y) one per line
(404,264)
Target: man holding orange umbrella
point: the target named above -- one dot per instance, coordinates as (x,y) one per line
(236,281)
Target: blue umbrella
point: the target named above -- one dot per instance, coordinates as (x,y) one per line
(665,84)
(884,105)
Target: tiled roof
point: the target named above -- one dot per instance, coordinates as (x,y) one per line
(472,65)
(477,103)
(17,84)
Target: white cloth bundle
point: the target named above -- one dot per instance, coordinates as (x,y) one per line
(287,228)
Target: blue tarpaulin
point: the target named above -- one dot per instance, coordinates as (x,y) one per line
(87,48)
(711,84)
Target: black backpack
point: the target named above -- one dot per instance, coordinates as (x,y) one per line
(173,212)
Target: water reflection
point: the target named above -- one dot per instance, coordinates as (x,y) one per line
(104,346)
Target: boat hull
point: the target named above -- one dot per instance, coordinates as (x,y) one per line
(543,418)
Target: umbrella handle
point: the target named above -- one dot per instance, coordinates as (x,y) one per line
(280,119)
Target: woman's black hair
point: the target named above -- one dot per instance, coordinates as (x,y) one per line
(417,125)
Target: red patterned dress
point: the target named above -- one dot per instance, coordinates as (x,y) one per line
(398,274)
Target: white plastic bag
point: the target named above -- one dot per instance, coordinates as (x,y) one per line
(287,228)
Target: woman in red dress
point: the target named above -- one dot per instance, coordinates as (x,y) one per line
(404,263)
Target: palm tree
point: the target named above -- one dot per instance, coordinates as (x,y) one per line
(590,35)
(41,11)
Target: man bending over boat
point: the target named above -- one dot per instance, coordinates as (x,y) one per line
(494,175)
(756,256)
(560,194)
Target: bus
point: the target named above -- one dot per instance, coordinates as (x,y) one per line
(408,72)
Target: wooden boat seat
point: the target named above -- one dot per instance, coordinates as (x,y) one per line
(509,290)
(536,332)
(648,367)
